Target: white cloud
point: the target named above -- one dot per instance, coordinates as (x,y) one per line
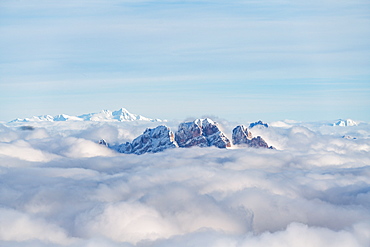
(23,150)
(62,188)
(302,235)
(19,227)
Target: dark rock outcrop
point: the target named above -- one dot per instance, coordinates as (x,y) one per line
(201,133)
(241,136)
(103,142)
(151,141)
(258,124)
(258,142)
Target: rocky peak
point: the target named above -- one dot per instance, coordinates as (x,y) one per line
(241,136)
(202,133)
(151,141)
(258,142)
(191,134)
(258,124)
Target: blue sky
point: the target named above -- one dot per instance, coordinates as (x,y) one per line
(240,60)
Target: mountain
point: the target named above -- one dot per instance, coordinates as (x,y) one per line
(64,117)
(258,124)
(153,140)
(121,115)
(34,119)
(241,136)
(344,123)
(200,133)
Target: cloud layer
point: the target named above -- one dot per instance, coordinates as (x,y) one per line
(63,189)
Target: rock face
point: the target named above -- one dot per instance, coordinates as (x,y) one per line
(241,136)
(258,142)
(151,141)
(258,124)
(201,133)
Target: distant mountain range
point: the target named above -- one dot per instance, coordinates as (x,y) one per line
(346,122)
(121,115)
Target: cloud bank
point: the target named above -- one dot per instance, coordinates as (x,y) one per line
(282,59)
(60,188)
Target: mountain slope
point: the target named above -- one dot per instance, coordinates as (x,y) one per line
(121,115)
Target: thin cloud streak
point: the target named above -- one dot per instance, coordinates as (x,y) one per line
(243,43)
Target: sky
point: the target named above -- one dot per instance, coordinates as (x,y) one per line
(239,60)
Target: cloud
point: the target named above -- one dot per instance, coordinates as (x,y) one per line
(63,189)
(20,227)
(297,234)
(23,150)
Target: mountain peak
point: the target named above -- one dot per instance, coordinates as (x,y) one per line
(258,124)
(121,115)
(122,110)
(344,123)
(202,133)
(153,140)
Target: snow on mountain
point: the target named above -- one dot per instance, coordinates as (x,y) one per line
(121,115)
(153,140)
(124,115)
(241,136)
(64,117)
(259,124)
(345,123)
(202,133)
(34,119)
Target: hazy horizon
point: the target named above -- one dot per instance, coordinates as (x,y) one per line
(297,65)
(237,60)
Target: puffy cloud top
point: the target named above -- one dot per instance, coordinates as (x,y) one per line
(64,189)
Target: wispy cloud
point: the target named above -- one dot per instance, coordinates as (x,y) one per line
(240,43)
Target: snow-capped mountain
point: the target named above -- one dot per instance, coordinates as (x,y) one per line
(153,140)
(121,115)
(259,124)
(200,133)
(241,136)
(344,123)
(34,119)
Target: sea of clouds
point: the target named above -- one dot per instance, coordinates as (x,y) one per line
(60,188)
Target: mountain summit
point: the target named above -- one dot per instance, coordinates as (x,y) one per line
(344,123)
(199,133)
(202,133)
(121,115)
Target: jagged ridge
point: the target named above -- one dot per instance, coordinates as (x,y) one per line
(121,115)
(241,136)
(200,132)
(151,141)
